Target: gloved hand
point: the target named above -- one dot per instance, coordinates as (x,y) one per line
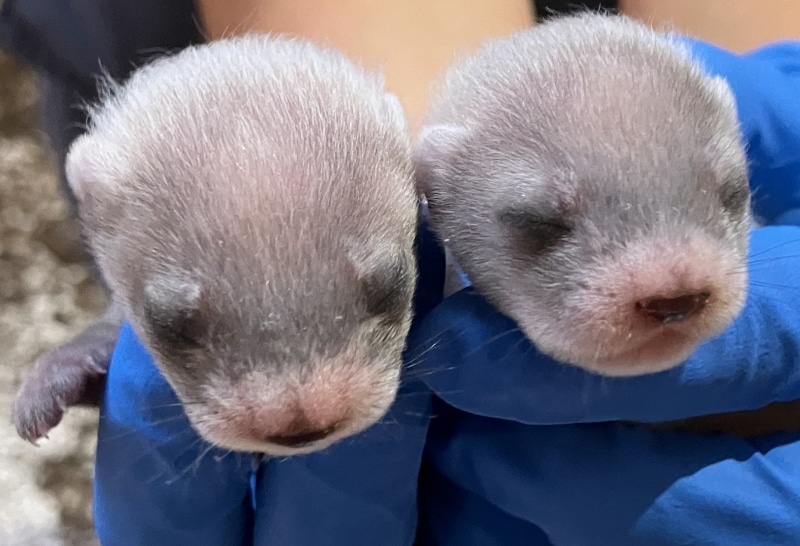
(521,452)
(511,484)
(765,83)
(157,482)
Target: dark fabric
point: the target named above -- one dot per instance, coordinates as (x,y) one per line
(70,43)
(545,9)
(61,119)
(72,39)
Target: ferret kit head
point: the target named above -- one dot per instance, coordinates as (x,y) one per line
(251,203)
(591,180)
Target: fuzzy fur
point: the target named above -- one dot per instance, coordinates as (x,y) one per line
(251,205)
(581,167)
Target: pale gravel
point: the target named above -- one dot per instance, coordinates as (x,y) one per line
(47,294)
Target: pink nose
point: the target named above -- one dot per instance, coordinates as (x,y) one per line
(670,310)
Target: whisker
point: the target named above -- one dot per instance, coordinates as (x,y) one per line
(498,337)
(780,245)
(127,433)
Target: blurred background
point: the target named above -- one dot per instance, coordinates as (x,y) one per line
(46,296)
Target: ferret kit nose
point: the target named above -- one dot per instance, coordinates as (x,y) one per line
(301,438)
(671,310)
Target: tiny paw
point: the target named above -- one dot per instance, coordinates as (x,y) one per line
(70,375)
(35,413)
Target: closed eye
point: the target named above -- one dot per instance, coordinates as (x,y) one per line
(182,340)
(179,329)
(735,196)
(387,287)
(535,233)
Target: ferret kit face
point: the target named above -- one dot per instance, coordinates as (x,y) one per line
(251,204)
(591,181)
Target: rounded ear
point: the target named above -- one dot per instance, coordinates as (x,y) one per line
(397,108)
(82,172)
(435,151)
(724,93)
(92,174)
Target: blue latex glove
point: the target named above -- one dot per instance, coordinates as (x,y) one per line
(766,83)
(157,482)
(499,483)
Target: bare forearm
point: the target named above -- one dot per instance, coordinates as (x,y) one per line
(411,40)
(738,25)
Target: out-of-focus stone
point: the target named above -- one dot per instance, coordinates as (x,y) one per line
(90,296)
(62,237)
(47,295)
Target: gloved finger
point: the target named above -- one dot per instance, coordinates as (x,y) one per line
(361,491)
(478,361)
(451,515)
(610,484)
(766,83)
(156,481)
(788,218)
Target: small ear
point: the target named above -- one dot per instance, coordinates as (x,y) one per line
(172,310)
(387,274)
(397,108)
(436,149)
(724,92)
(81,167)
(728,145)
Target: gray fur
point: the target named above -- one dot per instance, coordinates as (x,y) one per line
(248,201)
(602,126)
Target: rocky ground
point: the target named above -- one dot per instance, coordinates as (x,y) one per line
(46,295)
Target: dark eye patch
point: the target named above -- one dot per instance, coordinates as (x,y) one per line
(386,288)
(173,314)
(179,329)
(533,230)
(385,274)
(735,196)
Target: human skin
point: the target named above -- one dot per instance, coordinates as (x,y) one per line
(738,25)
(412,41)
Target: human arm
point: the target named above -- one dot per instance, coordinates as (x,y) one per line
(411,40)
(738,25)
